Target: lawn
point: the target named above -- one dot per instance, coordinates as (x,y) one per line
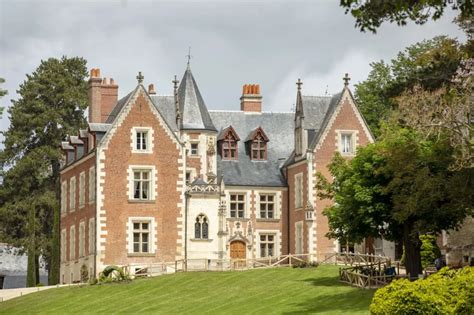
(265,291)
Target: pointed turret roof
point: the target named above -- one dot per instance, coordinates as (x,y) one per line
(194,114)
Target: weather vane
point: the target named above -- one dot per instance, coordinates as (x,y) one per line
(189,55)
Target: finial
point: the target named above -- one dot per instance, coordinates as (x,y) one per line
(346,79)
(140,77)
(189,55)
(175,82)
(299,84)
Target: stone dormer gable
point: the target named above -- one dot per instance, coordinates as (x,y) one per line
(256,145)
(193,111)
(227,143)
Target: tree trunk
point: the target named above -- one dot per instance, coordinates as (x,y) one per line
(54,264)
(412,244)
(37,271)
(31,252)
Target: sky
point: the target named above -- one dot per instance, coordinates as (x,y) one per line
(271,43)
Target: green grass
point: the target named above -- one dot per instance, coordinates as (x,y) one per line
(269,291)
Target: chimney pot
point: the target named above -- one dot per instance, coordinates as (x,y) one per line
(112,81)
(251,100)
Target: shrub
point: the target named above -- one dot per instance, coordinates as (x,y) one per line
(112,273)
(446,292)
(84,274)
(305,264)
(429,250)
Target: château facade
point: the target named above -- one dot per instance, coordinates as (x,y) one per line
(160,178)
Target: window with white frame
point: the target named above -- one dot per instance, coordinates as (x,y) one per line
(64,197)
(72,243)
(81,239)
(201,227)
(63,244)
(91,184)
(237,205)
(141,236)
(194,148)
(267,245)
(141,184)
(91,236)
(346,144)
(298,190)
(72,193)
(142,139)
(82,188)
(299,237)
(267,206)
(188,177)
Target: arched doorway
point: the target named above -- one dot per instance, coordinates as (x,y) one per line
(237,250)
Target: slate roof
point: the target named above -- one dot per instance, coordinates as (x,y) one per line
(194,114)
(99,127)
(279,128)
(165,105)
(75,140)
(118,107)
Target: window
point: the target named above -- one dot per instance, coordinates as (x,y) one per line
(237,205)
(91,236)
(188,177)
(267,206)
(72,193)
(141,184)
(229,149)
(298,190)
(81,239)
(201,227)
(194,149)
(141,140)
(82,188)
(141,233)
(258,144)
(63,245)
(72,243)
(91,184)
(346,143)
(267,245)
(64,197)
(299,237)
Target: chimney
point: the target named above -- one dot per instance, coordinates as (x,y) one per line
(103,94)
(151,89)
(251,100)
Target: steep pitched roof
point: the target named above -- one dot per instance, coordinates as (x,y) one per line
(165,105)
(314,110)
(279,128)
(194,114)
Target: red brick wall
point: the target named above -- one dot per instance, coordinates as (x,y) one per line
(118,208)
(297,215)
(85,213)
(346,119)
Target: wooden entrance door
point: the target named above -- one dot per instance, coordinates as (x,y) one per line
(237,250)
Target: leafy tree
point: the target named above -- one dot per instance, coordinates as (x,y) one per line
(2,94)
(370,14)
(51,105)
(429,64)
(429,250)
(397,188)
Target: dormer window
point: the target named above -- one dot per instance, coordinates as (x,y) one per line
(228,143)
(257,142)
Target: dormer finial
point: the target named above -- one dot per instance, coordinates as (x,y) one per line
(299,83)
(346,79)
(140,77)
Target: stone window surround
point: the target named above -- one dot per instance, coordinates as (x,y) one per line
(276,200)
(72,242)
(277,241)
(196,142)
(152,237)
(150,139)
(91,236)
(72,193)
(247,194)
(63,244)
(63,197)
(82,189)
(82,238)
(130,182)
(299,249)
(91,186)
(299,201)
(354,139)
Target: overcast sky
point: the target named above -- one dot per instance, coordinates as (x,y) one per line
(272,43)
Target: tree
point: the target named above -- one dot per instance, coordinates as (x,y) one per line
(429,64)
(397,188)
(2,94)
(370,14)
(51,105)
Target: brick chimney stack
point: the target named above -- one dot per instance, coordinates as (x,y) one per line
(151,89)
(103,95)
(251,100)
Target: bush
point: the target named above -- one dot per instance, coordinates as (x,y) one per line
(112,273)
(84,274)
(429,250)
(305,264)
(446,292)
